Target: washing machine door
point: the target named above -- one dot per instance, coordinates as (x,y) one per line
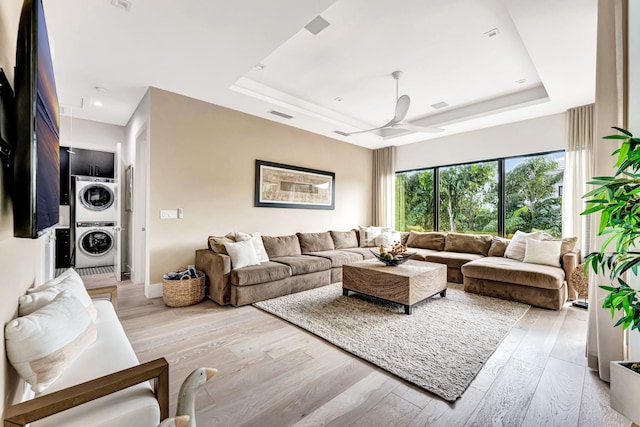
(96,196)
(96,242)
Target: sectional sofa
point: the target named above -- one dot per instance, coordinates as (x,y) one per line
(305,261)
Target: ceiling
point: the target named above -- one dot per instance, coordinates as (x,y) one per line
(491,61)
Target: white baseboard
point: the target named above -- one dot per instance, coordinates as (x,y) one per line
(154,290)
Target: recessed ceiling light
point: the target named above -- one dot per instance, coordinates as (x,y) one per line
(100,89)
(97,103)
(261,67)
(492,33)
(439,105)
(122,4)
(339,132)
(521,81)
(318,24)
(337,99)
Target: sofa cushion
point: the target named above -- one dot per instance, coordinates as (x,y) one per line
(339,258)
(243,254)
(216,243)
(344,239)
(452,259)
(431,240)
(43,344)
(498,246)
(421,253)
(315,242)
(111,352)
(265,272)
(512,271)
(387,239)
(281,246)
(518,244)
(365,252)
(304,264)
(468,243)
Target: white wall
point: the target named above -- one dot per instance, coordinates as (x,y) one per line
(525,137)
(91,135)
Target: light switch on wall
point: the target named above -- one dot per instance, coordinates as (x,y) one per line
(180,213)
(168,214)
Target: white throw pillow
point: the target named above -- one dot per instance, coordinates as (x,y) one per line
(243,254)
(258,245)
(368,236)
(518,244)
(545,252)
(41,345)
(387,238)
(45,293)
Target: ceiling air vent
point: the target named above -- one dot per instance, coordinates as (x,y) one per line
(439,105)
(279,114)
(339,132)
(122,4)
(492,32)
(318,24)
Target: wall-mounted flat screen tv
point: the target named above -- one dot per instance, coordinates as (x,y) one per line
(36,196)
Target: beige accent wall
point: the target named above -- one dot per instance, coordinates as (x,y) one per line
(202,159)
(20,259)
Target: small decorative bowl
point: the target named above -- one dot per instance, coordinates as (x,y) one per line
(397,260)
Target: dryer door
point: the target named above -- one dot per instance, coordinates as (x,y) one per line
(96,242)
(96,197)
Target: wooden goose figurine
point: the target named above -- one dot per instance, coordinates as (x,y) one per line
(187,395)
(180,421)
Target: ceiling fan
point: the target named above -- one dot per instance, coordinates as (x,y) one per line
(398,121)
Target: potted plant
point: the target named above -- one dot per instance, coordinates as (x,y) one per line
(617,198)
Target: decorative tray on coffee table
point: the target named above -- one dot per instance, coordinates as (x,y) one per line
(396,260)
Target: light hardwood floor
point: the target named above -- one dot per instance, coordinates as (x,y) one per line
(271,373)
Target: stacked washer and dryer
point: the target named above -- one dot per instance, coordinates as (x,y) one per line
(95,220)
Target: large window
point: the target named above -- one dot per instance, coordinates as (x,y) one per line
(414,201)
(491,197)
(469,198)
(533,194)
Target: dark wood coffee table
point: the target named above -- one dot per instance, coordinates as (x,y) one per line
(405,284)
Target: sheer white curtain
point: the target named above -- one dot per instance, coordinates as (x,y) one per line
(578,170)
(604,342)
(384,169)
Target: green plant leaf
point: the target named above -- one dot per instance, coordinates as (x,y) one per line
(626,132)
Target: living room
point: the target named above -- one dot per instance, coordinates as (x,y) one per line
(201,158)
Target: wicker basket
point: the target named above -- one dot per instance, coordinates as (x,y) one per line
(184,292)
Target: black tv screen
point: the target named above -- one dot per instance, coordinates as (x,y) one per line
(36,196)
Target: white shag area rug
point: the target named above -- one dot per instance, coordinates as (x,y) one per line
(440,347)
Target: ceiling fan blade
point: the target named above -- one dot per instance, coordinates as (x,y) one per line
(418,128)
(402,107)
(391,123)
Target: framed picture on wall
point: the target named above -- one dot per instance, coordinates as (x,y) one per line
(128,189)
(286,186)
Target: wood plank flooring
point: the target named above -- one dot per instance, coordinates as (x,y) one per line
(270,373)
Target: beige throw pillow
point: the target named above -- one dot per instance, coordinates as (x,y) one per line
(41,345)
(368,236)
(256,240)
(216,244)
(518,244)
(546,252)
(243,254)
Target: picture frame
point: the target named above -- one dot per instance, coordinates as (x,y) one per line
(128,189)
(279,185)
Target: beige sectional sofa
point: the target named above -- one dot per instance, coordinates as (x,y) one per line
(308,260)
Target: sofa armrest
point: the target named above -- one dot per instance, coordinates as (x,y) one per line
(112,291)
(570,261)
(49,404)
(217,269)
